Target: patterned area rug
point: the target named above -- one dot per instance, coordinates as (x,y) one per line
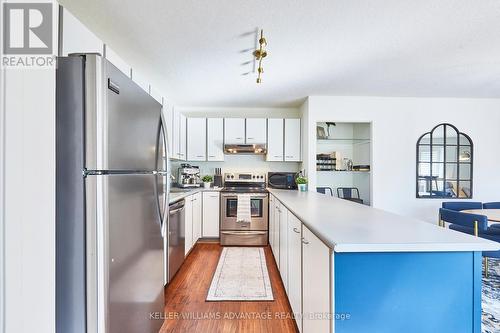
(241,275)
(491,298)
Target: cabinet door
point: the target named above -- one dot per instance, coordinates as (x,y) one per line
(276,238)
(283,227)
(211,213)
(176,134)
(182,138)
(197,217)
(295,267)
(256,130)
(188,228)
(168,117)
(77,38)
(275,140)
(215,139)
(234,131)
(196,139)
(316,282)
(292,140)
(271,222)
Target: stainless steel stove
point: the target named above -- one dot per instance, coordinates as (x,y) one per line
(254,233)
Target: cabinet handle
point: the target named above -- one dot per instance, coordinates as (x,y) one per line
(199,156)
(295,229)
(239,138)
(211,155)
(278,156)
(250,138)
(304,241)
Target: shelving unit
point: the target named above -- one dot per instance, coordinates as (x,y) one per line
(351,141)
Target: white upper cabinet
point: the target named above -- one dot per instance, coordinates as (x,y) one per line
(141,81)
(196,139)
(182,138)
(234,130)
(292,140)
(116,60)
(256,130)
(168,118)
(275,140)
(77,38)
(154,93)
(176,134)
(215,139)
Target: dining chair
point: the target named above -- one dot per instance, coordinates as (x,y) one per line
(349,193)
(472,224)
(324,190)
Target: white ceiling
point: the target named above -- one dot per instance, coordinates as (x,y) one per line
(198,52)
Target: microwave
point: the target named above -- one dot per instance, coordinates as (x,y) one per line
(282,180)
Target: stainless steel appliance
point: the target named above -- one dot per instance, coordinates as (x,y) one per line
(188,176)
(241,233)
(112,187)
(176,237)
(282,180)
(246,149)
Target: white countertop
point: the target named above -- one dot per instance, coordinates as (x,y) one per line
(176,196)
(350,227)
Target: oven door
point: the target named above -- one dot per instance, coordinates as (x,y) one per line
(259,211)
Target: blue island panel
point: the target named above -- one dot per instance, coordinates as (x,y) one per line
(411,292)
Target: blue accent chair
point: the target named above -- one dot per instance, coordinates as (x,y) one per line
(491,205)
(466,223)
(462,205)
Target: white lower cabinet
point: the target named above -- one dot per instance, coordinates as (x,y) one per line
(188,227)
(197,217)
(271,222)
(192,218)
(276,234)
(295,267)
(211,214)
(315,284)
(283,247)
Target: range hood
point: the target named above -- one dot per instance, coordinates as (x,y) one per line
(253,149)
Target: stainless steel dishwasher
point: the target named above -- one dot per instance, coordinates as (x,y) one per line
(176,237)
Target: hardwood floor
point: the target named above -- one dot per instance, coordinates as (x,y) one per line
(185,297)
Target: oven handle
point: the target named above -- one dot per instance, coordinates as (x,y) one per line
(245,233)
(252,196)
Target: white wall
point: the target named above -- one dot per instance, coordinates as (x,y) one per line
(397,123)
(27,205)
(239,112)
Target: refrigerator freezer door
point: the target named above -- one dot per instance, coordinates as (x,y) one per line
(133,120)
(135,254)
(70,198)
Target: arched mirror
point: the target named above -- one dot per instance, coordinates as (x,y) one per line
(444,163)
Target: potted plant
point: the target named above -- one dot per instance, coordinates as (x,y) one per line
(207,180)
(301,183)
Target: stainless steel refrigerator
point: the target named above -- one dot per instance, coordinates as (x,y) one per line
(112,187)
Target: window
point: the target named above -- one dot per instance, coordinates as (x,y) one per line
(444,163)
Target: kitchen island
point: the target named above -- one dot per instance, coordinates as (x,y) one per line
(361,269)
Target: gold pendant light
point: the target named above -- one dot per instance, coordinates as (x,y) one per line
(260,54)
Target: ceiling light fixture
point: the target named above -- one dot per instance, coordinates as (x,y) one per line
(260,54)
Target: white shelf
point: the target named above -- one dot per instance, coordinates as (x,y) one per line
(345,171)
(343,141)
